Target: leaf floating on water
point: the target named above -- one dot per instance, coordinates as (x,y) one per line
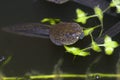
(115,3)
(50,21)
(99,13)
(76,51)
(88,31)
(109,45)
(81,16)
(95,47)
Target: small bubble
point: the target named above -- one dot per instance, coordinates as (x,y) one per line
(97,77)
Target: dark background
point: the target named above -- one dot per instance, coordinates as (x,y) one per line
(40,55)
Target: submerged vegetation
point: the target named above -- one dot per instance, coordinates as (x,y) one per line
(109,46)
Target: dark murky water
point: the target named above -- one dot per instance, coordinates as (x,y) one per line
(40,55)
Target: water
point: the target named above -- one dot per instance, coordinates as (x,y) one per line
(39,54)
(118,67)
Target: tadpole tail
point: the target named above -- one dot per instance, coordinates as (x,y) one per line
(29,29)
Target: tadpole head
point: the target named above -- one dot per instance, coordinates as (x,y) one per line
(66,33)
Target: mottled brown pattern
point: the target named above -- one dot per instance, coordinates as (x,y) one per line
(65,33)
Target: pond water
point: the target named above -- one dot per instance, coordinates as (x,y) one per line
(39,55)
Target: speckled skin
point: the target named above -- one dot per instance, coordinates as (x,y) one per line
(66,33)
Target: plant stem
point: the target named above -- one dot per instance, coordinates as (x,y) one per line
(106,9)
(101,75)
(91,16)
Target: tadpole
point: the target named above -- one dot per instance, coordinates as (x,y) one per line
(63,33)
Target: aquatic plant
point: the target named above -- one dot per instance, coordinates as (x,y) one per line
(82,17)
(108,44)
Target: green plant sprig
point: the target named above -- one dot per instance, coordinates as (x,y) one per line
(108,45)
(50,20)
(115,3)
(82,17)
(53,76)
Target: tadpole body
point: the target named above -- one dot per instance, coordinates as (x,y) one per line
(66,33)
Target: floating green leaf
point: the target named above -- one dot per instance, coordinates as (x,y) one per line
(116,3)
(76,51)
(81,16)
(99,13)
(82,20)
(80,13)
(88,31)
(109,45)
(50,20)
(112,4)
(95,46)
(109,51)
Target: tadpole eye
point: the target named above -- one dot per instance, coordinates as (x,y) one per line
(65,33)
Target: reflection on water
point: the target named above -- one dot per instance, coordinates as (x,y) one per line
(59,75)
(118,67)
(89,69)
(57,69)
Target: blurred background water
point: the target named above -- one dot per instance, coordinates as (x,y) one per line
(40,55)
